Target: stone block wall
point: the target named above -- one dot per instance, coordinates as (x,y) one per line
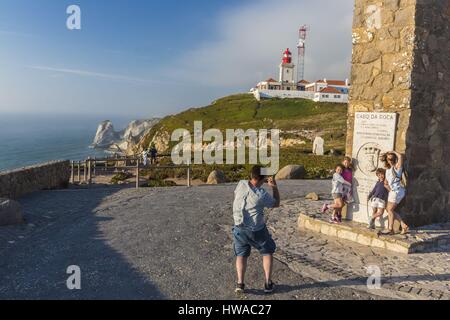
(401,64)
(17,183)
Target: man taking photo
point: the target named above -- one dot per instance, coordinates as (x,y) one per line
(250,229)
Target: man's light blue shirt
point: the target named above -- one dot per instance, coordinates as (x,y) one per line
(249,205)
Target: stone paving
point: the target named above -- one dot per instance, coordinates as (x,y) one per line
(419,240)
(151,244)
(419,276)
(165,243)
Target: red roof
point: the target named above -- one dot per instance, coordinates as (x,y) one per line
(333,82)
(330,90)
(271,80)
(336,82)
(304,82)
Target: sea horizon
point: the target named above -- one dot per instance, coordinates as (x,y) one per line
(30,139)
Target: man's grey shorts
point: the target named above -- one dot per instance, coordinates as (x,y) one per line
(244,240)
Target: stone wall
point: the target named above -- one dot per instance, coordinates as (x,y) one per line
(401,64)
(17,183)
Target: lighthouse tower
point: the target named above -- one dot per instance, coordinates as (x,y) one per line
(287,72)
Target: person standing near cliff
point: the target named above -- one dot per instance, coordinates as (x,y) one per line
(153,154)
(145,157)
(250,229)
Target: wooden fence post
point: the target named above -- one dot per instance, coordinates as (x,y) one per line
(79,172)
(89,170)
(189,175)
(85,171)
(72,171)
(137,175)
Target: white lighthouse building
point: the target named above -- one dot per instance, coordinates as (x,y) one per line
(287,72)
(287,86)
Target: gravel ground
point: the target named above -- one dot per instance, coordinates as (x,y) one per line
(169,243)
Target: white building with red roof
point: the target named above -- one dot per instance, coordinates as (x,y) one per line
(330,94)
(288,87)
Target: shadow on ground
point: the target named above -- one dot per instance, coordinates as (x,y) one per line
(62,230)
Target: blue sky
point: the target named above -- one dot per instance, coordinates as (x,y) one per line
(152,58)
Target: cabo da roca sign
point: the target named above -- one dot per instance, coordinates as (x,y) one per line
(374,134)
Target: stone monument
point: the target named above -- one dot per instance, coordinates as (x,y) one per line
(374,134)
(318,146)
(400,98)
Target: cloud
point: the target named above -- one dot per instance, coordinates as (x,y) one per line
(250,40)
(107,76)
(15,33)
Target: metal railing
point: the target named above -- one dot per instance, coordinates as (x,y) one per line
(84,172)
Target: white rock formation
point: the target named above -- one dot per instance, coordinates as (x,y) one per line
(105,136)
(119,141)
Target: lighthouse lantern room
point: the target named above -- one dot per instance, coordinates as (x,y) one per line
(287,72)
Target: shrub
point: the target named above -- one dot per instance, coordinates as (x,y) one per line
(121,177)
(160,184)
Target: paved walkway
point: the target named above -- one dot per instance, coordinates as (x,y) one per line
(171,243)
(418,276)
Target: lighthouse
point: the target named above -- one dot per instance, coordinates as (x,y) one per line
(287,72)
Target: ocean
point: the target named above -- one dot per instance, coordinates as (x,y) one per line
(32,139)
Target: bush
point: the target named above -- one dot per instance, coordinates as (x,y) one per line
(318,173)
(121,177)
(160,184)
(160,174)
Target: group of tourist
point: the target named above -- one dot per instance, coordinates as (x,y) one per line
(386,195)
(250,230)
(153,152)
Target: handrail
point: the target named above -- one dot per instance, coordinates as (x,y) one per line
(89,166)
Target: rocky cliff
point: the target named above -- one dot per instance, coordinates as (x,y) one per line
(121,141)
(106,135)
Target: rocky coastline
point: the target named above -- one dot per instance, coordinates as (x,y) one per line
(119,142)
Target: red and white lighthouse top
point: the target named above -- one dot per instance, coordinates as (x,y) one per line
(287,56)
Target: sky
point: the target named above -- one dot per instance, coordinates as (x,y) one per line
(145,58)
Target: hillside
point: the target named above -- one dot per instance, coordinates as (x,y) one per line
(298,119)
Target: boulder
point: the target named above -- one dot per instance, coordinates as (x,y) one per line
(291,172)
(216,177)
(334,152)
(312,196)
(10,212)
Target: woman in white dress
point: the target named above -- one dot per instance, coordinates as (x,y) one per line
(393,162)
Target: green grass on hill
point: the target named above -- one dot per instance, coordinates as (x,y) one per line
(243,111)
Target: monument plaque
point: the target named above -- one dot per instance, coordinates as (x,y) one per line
(374,134)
